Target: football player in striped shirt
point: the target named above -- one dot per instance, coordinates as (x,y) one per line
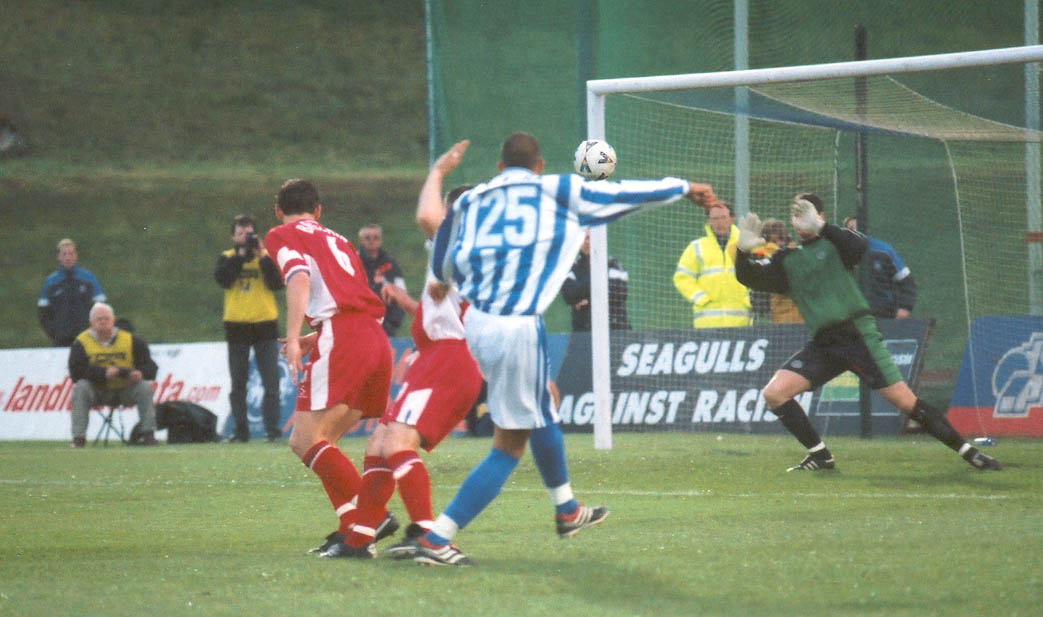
(508,245)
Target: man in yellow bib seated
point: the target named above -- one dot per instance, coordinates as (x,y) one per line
(110,366)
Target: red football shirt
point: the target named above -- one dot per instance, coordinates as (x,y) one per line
(338,280)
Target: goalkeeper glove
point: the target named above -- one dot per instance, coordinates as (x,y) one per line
(750,237)
(805,216)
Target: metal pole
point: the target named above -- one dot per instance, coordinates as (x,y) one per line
(586,27)
(600,345)
(1032,164)
(865,408)
(742,121)
(433,144)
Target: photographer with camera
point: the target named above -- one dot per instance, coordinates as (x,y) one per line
(251,319)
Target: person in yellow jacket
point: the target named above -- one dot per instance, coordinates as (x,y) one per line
(110,366)
(781,308)
(705,274)
(251,319)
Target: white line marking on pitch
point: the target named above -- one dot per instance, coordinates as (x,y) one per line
(514,489)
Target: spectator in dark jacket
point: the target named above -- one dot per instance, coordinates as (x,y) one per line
(382,271)
(886,281)
(67,296)
(576,292)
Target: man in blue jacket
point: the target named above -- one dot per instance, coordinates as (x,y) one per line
(889,285)
(67,297)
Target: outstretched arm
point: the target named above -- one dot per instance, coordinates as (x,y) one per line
(762,274)
(597,202)
(850,244)
(429,208)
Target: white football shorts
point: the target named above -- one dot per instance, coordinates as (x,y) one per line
(511,352)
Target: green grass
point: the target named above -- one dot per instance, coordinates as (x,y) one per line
(700,525)
(264,82)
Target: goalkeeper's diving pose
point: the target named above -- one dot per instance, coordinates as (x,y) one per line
(817,276)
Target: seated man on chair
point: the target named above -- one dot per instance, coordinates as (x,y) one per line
(110,366)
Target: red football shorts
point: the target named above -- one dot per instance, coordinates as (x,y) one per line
(439,388)
(350,363)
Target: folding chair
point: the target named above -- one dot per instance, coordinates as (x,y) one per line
(109,418)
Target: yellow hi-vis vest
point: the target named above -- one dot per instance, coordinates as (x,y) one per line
(705,276)
(120,353)
(249,300)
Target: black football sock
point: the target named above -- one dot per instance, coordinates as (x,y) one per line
(934,422)
(792,416)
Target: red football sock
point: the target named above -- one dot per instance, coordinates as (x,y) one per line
(377,488)
(414,485)
(339,477)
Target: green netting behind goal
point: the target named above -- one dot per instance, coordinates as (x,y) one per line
(948,190)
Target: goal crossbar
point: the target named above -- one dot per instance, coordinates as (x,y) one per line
(833,70)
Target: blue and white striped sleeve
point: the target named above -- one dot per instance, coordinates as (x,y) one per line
(602,201)
(440,247)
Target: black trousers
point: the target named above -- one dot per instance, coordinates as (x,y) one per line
(266,353)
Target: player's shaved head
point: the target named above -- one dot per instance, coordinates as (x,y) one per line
(297,196)
(521,150)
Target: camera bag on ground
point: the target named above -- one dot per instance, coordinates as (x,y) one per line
(186,422)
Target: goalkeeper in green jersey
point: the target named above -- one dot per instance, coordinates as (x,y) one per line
(817,275)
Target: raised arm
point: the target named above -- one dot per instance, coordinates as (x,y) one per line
(758,273)
(440,247)
(850,244)
(429,208)
(228,269)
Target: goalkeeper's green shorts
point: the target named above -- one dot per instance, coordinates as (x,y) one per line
(854,345)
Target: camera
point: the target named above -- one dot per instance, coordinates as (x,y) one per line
(253,243)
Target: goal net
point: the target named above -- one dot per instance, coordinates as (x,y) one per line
(956,195)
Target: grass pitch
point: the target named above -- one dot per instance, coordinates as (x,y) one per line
(699,525)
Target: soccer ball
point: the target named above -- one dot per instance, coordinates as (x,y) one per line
(595,159)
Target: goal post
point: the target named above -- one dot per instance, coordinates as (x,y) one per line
(598,92)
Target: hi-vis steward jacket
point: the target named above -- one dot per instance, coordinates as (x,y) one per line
(705,276)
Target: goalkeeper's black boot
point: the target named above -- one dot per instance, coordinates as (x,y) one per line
(334,538)
(816,461)
(980,460)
